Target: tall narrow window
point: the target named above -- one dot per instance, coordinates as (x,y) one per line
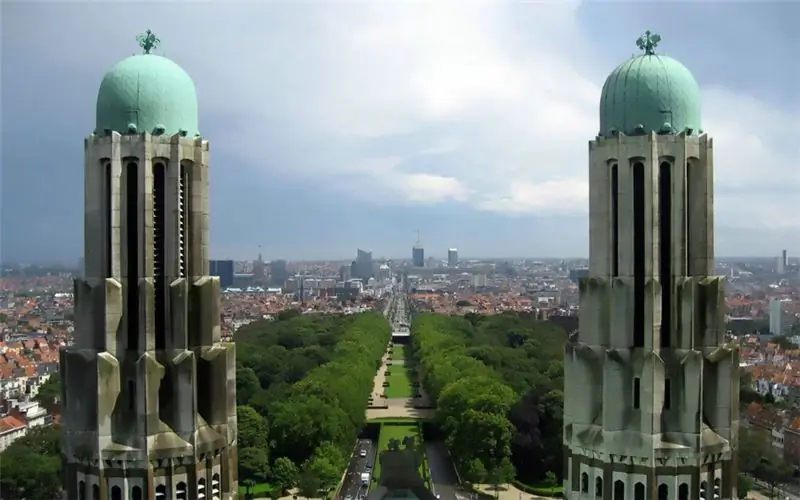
(665,249)
(638,491)
(159,250)
(132,246)
(182,221)
(108,210)
(639,249)
(637,390)
(615,220)
(667,393)
(687,214)
(619,490)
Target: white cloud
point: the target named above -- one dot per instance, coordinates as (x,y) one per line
(516,114)
(504,108)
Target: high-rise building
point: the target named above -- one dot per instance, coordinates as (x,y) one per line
(651,387)
(259,270)
(785,258)
(363,265)
(148,389)
(452,257)
(344,273)
(775,313)
(278,273)
(418,256)
(224,270)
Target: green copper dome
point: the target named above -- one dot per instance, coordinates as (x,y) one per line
(650,93)
(147,93)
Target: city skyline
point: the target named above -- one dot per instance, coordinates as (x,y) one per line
(479,142)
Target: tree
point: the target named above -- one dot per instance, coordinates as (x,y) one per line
(308,484)
(498,382)
(247,385)
(253,465)
(326,465)
(744,486)
(50,391)
(253,428)
(306,379)
(284,475)
(31,466)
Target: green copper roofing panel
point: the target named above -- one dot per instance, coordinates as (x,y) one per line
(650,93)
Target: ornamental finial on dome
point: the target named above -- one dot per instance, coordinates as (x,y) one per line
(647,42)
(148,41)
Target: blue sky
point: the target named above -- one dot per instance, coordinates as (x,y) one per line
(337,125)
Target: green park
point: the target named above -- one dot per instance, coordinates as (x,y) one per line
(405,434)
(303,382)
(400,376)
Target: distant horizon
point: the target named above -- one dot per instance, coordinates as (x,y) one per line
(718,259)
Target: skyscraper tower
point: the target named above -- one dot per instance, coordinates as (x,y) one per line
(148,388)
(651,387)
(418,253)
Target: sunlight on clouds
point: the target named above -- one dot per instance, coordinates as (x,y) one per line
(408,102)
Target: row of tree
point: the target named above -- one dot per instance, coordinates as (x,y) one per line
(498,383)
(303,384)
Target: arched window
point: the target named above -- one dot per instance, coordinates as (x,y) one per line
(95,492)
(81,490)
(638,491)
(215,495)
(136,493)
(584,483)
(703,490)
(619,490)
(161,492)
(201,486)
(180,493)
(663,492)
(598,487)
(683,492)
(116,493)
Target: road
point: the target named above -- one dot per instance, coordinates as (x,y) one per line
(443,475)
(351,488)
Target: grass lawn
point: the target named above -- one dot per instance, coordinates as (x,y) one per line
(400,352)
(399,383)
(398,429)
(261,488)
(543,488)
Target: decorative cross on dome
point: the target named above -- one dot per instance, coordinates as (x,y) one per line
(648,42)
(148,41)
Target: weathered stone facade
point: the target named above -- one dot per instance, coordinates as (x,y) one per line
(149,389)
(651,388)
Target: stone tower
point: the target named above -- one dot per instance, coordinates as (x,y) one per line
(149,391)
(651,388)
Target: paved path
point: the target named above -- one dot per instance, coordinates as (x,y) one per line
(400,412)
(443,476)
(506,492)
